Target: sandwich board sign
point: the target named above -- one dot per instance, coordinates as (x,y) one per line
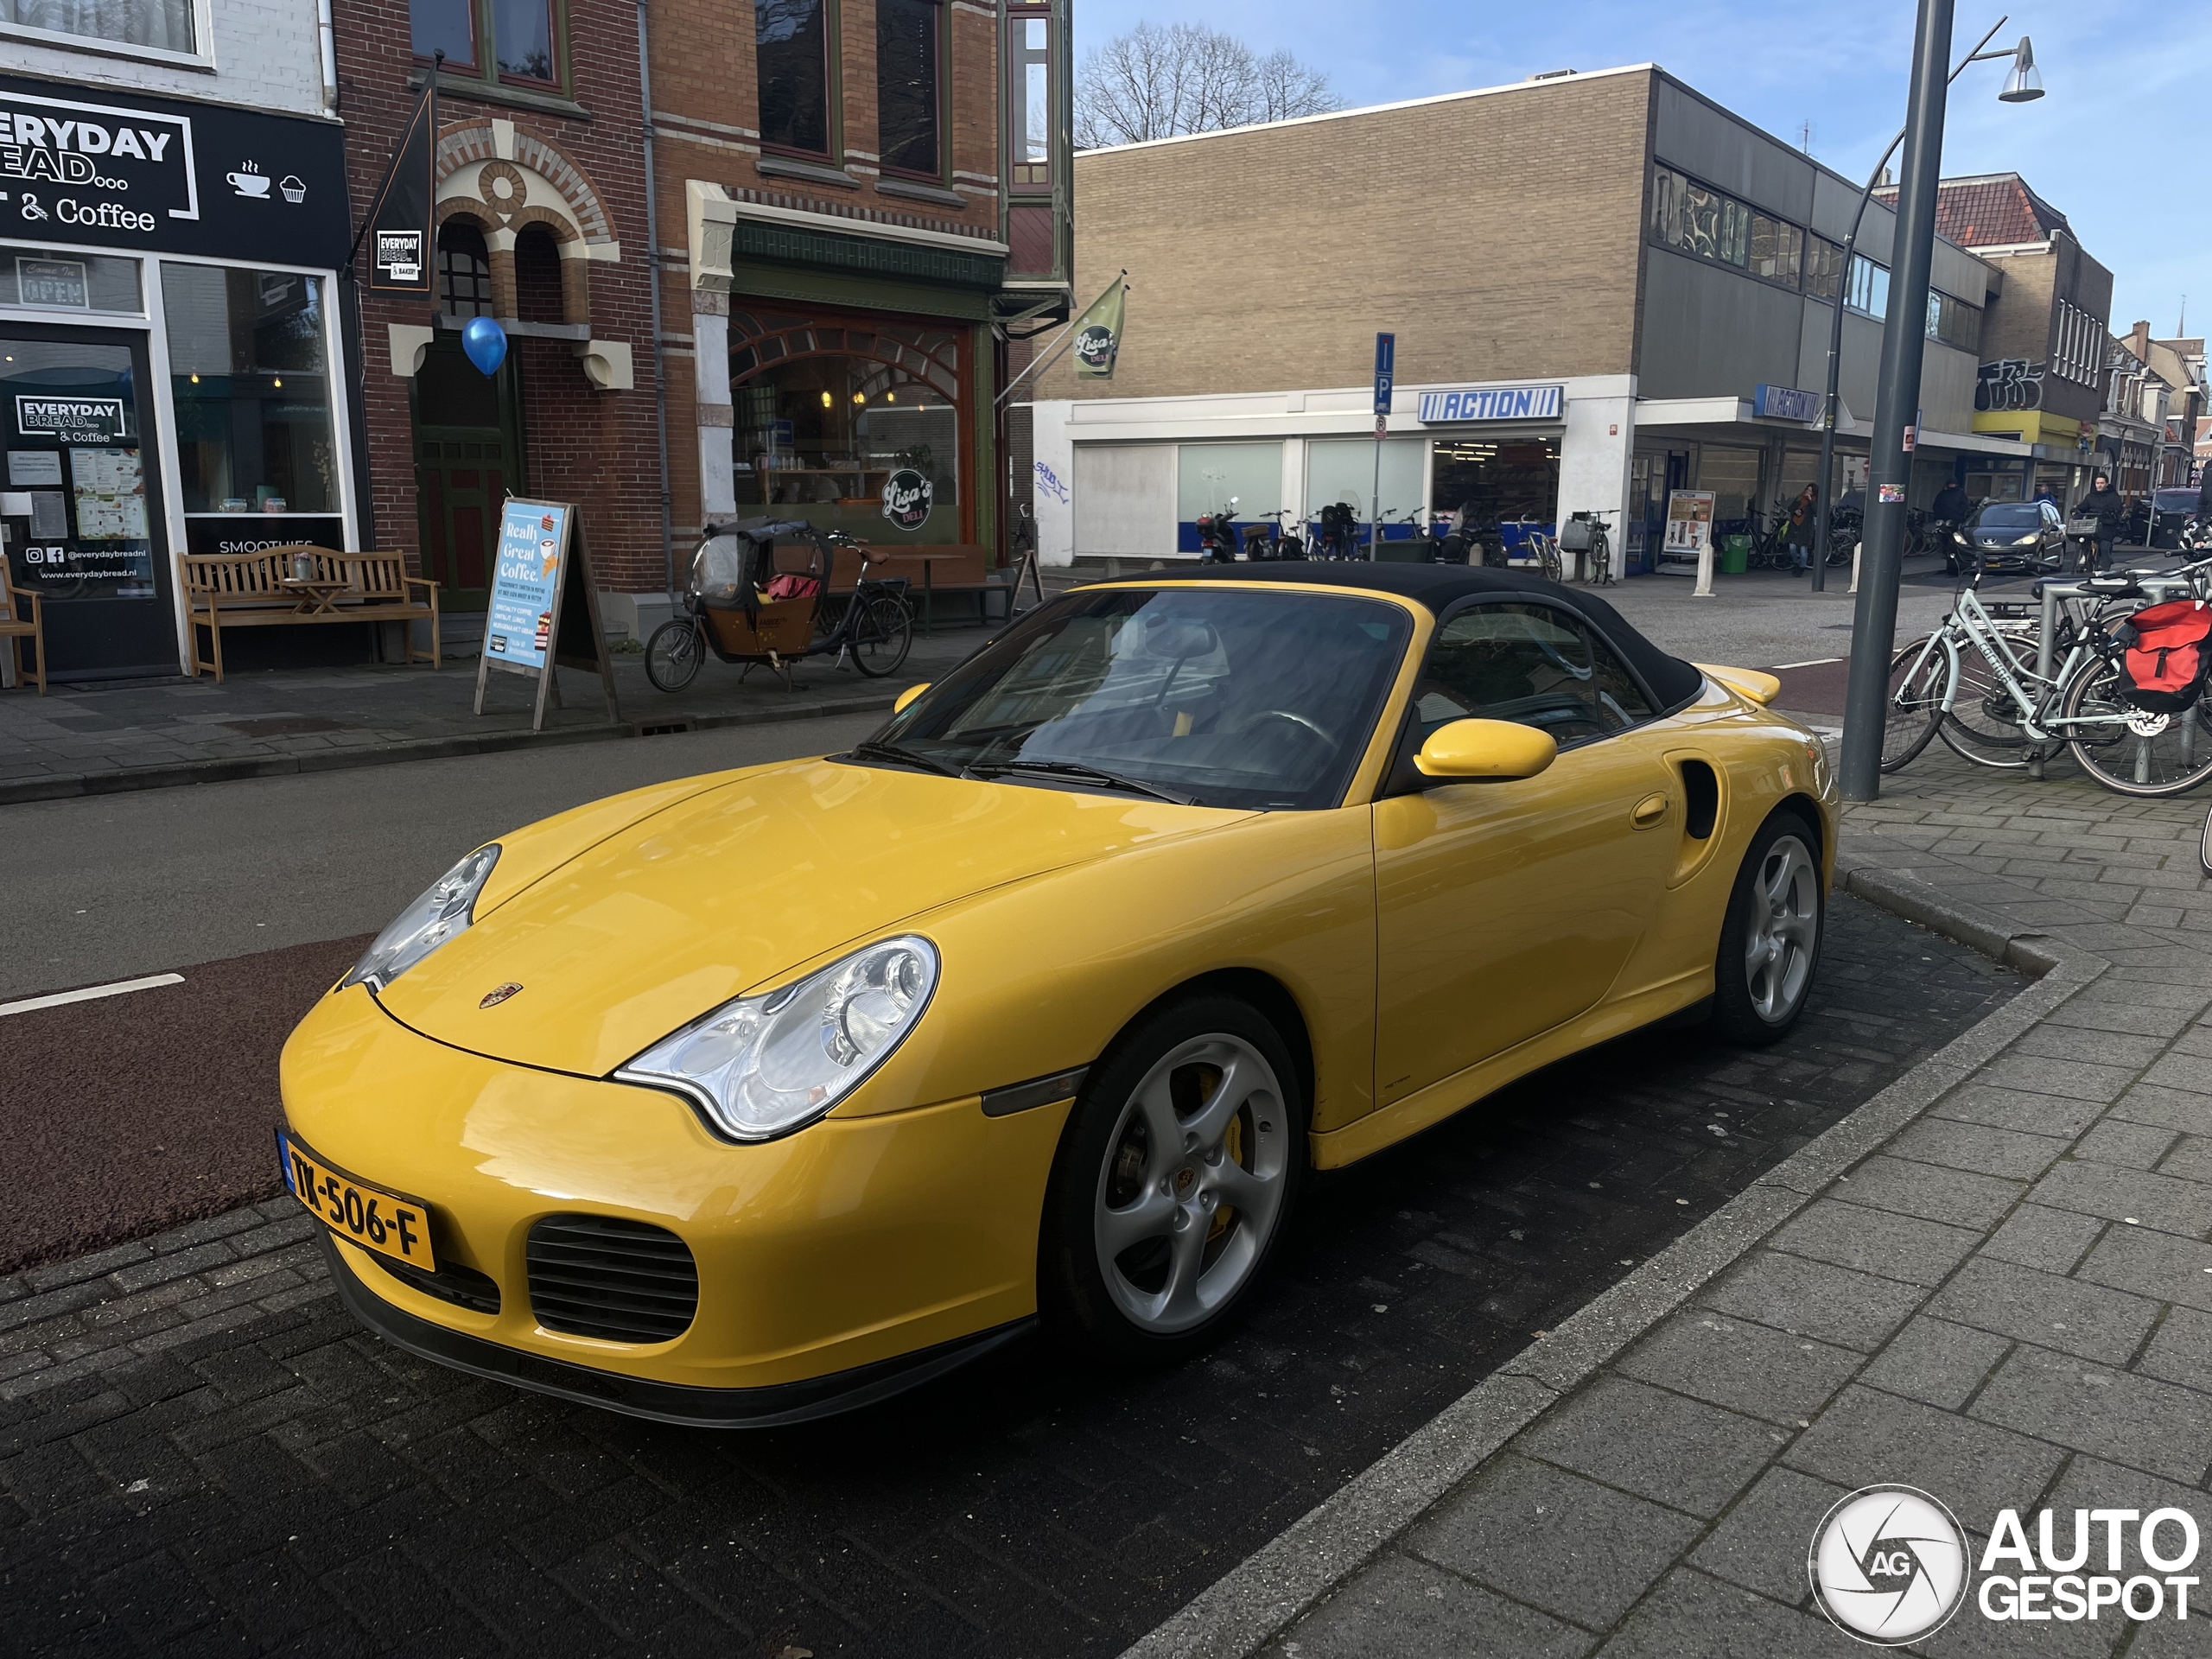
(544,611)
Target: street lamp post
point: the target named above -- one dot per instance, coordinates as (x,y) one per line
(2023,53)
(1904,335)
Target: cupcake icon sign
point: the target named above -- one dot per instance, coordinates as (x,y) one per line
(293,187)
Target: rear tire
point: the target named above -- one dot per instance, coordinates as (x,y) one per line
(2171,760)
(672,654)
(1176,1176)
(882,635)
(1770,937)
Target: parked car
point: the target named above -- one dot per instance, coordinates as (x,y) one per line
(2009,538)
(2169,510)
(761,1095)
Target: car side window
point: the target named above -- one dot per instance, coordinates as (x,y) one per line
(1531,664)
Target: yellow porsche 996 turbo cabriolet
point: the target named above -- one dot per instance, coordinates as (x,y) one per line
(759,1096)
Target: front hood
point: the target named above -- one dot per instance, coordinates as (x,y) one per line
(735,886)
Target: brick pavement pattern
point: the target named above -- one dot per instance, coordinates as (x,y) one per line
(200,1451)
(2008,1304)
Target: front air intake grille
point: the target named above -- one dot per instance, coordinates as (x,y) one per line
(619,1281)
(462,1286)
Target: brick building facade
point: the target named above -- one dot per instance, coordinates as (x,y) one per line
(541,223)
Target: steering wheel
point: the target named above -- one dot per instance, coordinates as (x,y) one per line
(1298,720)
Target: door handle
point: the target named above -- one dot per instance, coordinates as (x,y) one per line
(1649,811)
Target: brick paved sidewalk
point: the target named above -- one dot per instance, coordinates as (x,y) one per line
(1993,1283)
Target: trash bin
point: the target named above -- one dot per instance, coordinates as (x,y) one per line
(1735,553)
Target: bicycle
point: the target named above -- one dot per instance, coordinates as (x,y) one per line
(1585,533)
(1992,708)
(1770,550)
(1546,548)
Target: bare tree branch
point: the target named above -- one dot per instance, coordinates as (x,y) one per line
(1162,83)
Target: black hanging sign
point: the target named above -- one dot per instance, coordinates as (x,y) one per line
(399,228)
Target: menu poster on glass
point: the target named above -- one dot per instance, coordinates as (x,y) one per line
(111,488)
(1689,521)
(543,613)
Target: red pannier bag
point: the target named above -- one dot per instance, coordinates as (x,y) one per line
(793,587)
(2163,670)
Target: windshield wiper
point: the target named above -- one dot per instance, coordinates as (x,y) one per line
(1077,771)
(875,751)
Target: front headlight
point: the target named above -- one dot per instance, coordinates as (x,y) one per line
(445,909)
(2027,541)
(762,1066)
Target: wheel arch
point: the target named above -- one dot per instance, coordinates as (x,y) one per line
(1254,986)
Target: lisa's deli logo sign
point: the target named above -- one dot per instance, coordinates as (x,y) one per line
(72,420)
(95,166)
(907,498)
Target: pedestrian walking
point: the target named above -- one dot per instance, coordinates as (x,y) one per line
(2104,504)
(1952,507)
(1804,517)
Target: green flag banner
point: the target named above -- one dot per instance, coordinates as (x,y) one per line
(1098,335)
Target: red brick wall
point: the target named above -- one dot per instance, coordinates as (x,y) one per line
(596,449)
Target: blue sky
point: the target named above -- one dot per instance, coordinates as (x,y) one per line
(2114,145)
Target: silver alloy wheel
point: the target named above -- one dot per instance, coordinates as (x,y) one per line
(1192,1183)
(1781,928)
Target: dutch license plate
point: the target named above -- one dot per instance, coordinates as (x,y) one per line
(357,1212)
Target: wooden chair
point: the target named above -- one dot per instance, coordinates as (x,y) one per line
(15,630)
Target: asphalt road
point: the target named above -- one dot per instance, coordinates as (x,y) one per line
(290,1484)
(109,888)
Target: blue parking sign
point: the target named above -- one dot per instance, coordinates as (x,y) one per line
(1386,359)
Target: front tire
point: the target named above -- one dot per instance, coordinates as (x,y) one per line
(1770,939)
(672,654)
(1175,1175)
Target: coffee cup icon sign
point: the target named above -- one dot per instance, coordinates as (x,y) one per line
(248,180)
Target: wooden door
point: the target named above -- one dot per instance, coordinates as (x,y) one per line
(468,460)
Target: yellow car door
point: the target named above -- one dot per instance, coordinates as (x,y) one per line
(1504,908)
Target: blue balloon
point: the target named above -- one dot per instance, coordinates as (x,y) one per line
(486,342)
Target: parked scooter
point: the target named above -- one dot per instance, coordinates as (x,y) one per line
(1338,532)
(1218,536)
(1274,539)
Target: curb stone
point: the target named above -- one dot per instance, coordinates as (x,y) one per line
(70,786)
(1267,1591)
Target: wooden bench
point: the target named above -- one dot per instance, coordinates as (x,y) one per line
(258,590)
(16,629)
(931,570)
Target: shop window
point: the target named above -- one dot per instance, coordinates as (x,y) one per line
(1778,250)
(791,40)
(464,270)
(826,414)
(1343,469)
(1208,475)
(1869,291)
(1029,96)
(1733,474)
(537,276)
(157,25)
(908,36)
(249,373)
(518,41)
(1491,480)
(43,279)
(1823,268)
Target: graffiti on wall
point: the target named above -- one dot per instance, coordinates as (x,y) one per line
(2009,383)
(1048,483)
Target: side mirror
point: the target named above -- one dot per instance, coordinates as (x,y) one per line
(1486,748)
(908,696)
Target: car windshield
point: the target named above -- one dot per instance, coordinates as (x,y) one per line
(2015,516)
(2175,501)
(1254,698)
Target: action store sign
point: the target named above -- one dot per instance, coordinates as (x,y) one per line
(153,174)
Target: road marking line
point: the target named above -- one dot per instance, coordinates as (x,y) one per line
(32,1004)
(1817,662)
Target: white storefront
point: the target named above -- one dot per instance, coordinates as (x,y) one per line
(1126,478)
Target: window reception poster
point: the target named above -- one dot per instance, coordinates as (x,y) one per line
(518,626)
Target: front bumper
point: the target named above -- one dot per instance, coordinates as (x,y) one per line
(770,1405)
(833,1266)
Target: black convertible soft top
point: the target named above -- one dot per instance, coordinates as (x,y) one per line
(1673,681)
